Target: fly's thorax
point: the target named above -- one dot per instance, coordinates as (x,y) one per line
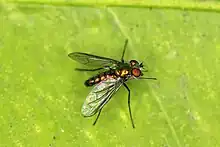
(113,66)
(123,73)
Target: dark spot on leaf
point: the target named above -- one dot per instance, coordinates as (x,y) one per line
(203,35)
(185,97)
(54,137)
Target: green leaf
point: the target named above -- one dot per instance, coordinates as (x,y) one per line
(41,95)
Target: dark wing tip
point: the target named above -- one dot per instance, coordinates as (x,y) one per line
(73,55)
(76,54)
(70,55)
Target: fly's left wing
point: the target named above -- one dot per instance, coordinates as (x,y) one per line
(93,60)
(100,95)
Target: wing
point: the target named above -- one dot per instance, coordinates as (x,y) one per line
(93,60)
(100,95)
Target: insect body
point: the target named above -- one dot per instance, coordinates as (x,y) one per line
(114,74)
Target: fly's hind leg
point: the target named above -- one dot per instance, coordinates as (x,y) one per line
(97,117)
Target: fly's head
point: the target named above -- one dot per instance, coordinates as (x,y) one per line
(136,68)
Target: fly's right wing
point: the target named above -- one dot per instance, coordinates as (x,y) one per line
(100,95)
(93,60)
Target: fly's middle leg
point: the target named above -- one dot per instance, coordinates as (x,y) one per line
(123,53)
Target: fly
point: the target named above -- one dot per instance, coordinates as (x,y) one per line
(113,75)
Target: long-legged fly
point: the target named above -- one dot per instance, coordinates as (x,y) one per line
(113,75)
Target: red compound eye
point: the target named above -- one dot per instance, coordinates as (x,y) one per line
(136,72)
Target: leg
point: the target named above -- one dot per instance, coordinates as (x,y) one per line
(123,53)
(147,78)
(97,117)
(144,70)
(129,106)
(80,69)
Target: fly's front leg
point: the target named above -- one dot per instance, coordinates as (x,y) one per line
(147,78)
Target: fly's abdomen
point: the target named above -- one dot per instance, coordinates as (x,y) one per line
(92,81)
(100,77)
